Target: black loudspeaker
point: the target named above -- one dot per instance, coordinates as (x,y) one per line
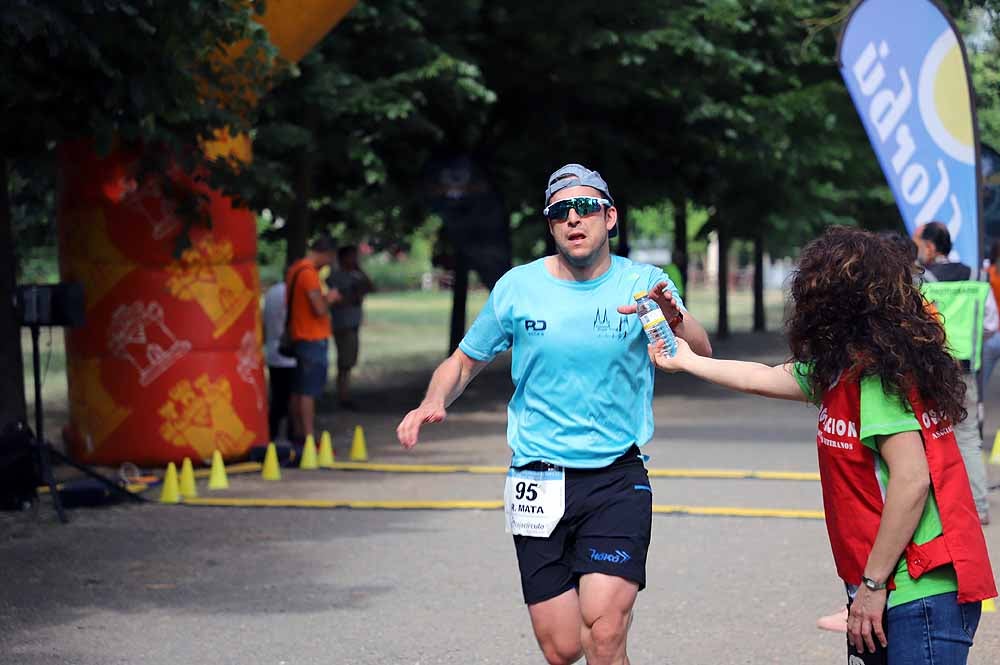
(19,474)
(50,304)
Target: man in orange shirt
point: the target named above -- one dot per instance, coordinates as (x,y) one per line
(309,328)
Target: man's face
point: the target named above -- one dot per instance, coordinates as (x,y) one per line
(581,240)
(325,259)
(926,251)
(348,261)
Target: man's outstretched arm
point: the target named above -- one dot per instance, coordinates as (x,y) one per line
(448,382)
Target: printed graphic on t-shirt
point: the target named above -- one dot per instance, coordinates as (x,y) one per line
(609,323)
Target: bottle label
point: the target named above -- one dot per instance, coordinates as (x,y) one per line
(652,318)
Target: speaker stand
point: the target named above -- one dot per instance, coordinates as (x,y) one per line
(44,452)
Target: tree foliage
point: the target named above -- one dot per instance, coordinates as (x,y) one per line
(714,101)
(127,70)
(360,111)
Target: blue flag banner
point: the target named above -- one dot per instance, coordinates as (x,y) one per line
(905,66)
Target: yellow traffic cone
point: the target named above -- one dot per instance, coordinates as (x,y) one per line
(187,487)
(309,454)
(990,605)
(995,455)
(359,451)
(271,470)
(217,480)
(326,458)
(170,492)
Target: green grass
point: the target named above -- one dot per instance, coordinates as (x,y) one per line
(408,331)
(403,332)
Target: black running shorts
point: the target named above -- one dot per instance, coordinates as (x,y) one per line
(605,529)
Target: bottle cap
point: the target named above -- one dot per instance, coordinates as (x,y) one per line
(639,294)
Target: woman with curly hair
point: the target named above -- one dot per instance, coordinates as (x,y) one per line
(905,536)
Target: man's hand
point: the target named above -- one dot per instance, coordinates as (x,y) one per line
(408,430)
(334,296)
(663,297)
(864,622)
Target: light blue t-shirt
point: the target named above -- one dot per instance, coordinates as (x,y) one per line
(583,383)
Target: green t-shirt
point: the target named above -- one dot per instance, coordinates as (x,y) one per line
(881,415)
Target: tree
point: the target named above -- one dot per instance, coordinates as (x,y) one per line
(342,143)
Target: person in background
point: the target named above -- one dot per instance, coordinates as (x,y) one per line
(309,327)
(280,369)
(960,304)
(346,315)
(673,270)
(991,345)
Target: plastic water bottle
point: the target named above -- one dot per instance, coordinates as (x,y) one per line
(654,323)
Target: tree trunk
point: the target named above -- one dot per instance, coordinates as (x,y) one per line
(680,253)
(460,296)
(759,322)
(722,329)
(12,404)
(297,227)
(623,246)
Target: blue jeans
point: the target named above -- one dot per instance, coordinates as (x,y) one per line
(991,353)
(932,631)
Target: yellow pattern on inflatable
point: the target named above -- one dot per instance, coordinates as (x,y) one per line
(201,415)
(91,257)
(97,414)
(203,276)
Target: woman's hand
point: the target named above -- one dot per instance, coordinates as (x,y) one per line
(671,364)
(864,622)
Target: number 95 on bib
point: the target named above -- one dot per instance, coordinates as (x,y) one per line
(534,501)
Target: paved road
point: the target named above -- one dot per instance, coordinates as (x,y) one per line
(169,585)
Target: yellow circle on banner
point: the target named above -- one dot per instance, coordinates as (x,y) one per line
(951,97)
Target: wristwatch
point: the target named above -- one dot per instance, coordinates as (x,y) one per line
(677,320)
(872,584)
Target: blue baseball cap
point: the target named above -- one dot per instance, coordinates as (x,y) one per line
(578,175)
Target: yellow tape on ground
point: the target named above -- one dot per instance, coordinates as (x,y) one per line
(241,467)
(718,474)
(361,505)
(705,511)
(134,488)
(995,455)
(729,511)
(417,468)
(733,474)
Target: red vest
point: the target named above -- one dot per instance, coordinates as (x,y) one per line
(852,496)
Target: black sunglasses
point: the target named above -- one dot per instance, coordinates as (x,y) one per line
(584,205)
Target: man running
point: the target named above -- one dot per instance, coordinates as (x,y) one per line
(577,497)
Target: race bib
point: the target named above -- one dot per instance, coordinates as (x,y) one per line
(534,501)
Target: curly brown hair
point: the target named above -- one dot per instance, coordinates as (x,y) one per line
(855,305)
